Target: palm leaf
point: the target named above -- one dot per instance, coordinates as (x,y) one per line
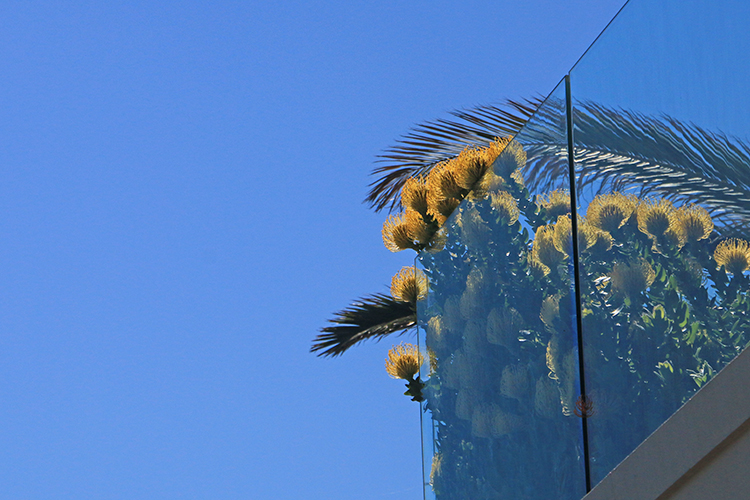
(615,150)
(620,150)
(432,142)
(371,317)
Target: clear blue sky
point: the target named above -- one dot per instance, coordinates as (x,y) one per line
(181,212)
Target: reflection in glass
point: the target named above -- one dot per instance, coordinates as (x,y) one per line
(498,327)
(660,123)
(662,286)
(660,119)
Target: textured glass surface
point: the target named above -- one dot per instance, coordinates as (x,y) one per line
(661,122)
(498,325)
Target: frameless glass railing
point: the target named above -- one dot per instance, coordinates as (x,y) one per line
(498,326)
(662,164)
(648,301)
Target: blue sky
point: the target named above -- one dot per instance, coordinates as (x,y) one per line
(181,197)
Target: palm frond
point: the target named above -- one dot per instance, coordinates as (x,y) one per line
(620,150)
(432,142)
(374,316)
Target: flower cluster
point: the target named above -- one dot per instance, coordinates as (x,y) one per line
(429,201)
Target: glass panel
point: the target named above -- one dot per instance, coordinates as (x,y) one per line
(661,123)
(498,325)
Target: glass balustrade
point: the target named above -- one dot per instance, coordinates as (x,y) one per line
(653,304)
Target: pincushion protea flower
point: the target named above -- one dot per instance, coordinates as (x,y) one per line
(441,208)
(396,234)
(470,166)
(414,195)
(734,255)
(506,207)
(543,249)
(694,223)
(443,182)
(409,285)
(632,278)
(563,235)
(609,212)
(656,217)
(512,158)
(420,231)
(556,203)
(403,361)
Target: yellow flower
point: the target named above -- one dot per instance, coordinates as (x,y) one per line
(506,206)
(543,249)
(632,278)
(436,469)
(694,223)
(518,177)
(432,356)
(466,400)
(537,270)
(512,158)
(441,208)
(438,241)
(563,236)
(672,238)
(403,361)
(474,230)
(489,183)
(396,234)
(492,421)
(557,203)
(469,166)
(482,420)
(656,217)
(450,372)
(550,311)
(409,285)
(452,314)
(435,329)
(472,300)
(442,182)
(414,195)
(553,357)
(419,230)
(587,235)
(610,212)
(474,336)
(495,149)
(734,255)
(595,239)
(690,276)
